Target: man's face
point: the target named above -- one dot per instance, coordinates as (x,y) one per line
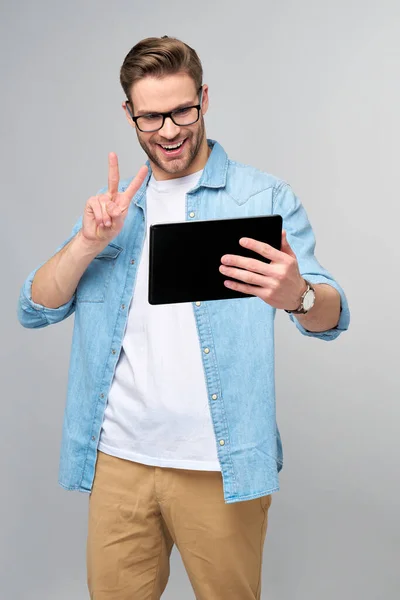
(152,95)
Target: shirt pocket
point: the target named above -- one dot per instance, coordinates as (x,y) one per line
(93,284)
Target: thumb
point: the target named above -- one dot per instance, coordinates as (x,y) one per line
(285,247)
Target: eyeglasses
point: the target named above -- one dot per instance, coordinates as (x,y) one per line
(188,115)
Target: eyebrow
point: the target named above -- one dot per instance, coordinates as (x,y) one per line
(141,113)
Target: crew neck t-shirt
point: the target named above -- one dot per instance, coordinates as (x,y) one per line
(157,411)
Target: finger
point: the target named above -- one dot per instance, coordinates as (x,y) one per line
(285,247)
(263,249)
(250,264)
(103,201)
(251,290)
(133,187)
(113,174)
(95,208)
(246,276)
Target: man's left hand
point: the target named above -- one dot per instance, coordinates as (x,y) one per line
(278,283)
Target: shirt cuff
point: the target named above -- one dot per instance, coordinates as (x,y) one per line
(32,314)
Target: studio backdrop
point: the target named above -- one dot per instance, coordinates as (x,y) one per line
(308,91)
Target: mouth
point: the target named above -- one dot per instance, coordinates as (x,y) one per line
(173,149)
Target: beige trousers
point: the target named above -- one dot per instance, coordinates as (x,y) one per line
(136,515)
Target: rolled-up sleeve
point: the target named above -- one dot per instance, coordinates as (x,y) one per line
(33,315)
(302,241)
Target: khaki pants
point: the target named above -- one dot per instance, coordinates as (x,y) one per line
(137,513)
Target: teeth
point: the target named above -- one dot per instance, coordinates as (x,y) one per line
(172,147)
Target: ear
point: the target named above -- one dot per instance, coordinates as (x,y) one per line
(205,99)
(127,114)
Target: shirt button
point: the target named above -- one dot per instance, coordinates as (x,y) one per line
(191,214)
(113,351)
(221,442)
(198,303)
(123,306)
(206,350)
(214,396)
(93,437)
(132,262)
(101,396)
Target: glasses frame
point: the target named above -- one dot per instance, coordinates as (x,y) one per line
(169,114)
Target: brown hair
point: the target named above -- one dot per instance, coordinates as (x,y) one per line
(157,57)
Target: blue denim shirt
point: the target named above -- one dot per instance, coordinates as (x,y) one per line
(236,336)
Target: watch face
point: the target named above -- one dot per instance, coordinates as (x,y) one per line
(309,299)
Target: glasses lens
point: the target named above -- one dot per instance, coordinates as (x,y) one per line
(185,116)
(149,122)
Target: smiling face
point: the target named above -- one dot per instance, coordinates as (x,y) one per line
(152,95)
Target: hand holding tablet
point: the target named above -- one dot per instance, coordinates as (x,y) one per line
(185,257)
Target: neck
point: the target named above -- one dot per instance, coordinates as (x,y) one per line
(197,165)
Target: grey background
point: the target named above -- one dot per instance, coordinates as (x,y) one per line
(320,83)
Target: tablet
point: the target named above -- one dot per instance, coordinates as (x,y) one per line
(184,258)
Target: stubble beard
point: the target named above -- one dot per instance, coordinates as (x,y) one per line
(174,167)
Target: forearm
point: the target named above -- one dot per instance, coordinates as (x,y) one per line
(55,282)
(325,313)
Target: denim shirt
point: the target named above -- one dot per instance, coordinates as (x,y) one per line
(236,336)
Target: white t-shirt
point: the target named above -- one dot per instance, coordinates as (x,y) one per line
(157,411)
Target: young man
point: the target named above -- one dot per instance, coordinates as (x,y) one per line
(170,421)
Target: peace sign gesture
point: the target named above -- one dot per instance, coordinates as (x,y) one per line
(104,214)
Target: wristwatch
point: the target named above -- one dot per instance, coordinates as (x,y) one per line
(307,301)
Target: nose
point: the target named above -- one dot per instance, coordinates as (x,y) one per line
(169,130)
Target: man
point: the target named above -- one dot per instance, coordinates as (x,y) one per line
(170,419)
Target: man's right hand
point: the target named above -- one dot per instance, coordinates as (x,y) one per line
(104,214)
